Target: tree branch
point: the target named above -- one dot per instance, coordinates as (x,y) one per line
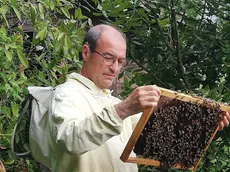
(149,72)
(175,42)
(161,32)
(202,18)
(182,19)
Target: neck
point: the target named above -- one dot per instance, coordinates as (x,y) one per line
(84,73)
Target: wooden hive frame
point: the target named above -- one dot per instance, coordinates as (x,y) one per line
(2,168)
(125,157)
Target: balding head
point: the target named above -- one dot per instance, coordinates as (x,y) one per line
(95,33)
(103,53)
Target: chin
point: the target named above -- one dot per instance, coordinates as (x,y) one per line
(107,85)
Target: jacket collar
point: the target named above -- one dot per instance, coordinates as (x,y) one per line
(87,83)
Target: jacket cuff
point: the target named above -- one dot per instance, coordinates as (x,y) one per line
(112,114)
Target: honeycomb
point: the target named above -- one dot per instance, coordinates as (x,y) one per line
(178,132)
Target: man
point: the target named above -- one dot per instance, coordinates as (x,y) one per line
(89,128)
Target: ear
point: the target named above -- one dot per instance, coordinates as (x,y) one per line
(85,52)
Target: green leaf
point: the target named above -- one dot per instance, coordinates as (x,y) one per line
(17,12)
(52,5)
(99,7)
(3,10)
(9,161)
(23,59)
(41,10)
(33,13)
(20,81)
(90,22)
(23,10)
(15,109)
(122,6)
(83,17)
(13,3)
(54,75)
(58,45)
(60,36)
(52,63)
(65,11)
(41,34)
(44,63)
(226,49)
(8,54)
(78,13)
(40,57)
(67,43)
(5,110)
(13,46)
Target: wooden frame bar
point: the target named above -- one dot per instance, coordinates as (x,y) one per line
(189,98)
(2,168)
(125,157)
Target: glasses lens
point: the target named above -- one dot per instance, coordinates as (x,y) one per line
(124,62)
(109,60)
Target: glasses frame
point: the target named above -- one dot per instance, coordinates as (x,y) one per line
(106,60)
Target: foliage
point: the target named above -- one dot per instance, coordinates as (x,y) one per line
(180,45)
(39,45)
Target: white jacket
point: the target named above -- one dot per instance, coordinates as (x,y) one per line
(86,134)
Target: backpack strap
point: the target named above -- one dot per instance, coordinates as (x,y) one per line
(21,116)
(38,97)
(41,94)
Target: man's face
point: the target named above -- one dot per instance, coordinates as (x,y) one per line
(98,69)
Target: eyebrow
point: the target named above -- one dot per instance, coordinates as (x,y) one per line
(111,54)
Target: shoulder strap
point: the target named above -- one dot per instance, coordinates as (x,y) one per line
(41,94)
(20,135)
(22,115)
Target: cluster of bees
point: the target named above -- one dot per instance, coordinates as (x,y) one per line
(178,133)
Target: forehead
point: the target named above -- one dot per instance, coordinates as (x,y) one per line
(112,41)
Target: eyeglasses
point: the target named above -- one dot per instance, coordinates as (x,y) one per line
(110,59)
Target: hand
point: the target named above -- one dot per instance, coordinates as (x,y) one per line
(225,121)
(141,98)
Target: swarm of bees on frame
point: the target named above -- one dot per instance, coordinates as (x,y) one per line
(178,132)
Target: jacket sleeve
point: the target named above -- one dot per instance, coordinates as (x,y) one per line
(135,119)
(76,130)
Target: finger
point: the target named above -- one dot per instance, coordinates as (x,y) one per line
(227,115)
(154,104)
(153,99)
(225,121)
(157,89)
(146,95)
(151,88)
(221,125)
(151,105)
(151,94)
(149,98)
(148,101)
